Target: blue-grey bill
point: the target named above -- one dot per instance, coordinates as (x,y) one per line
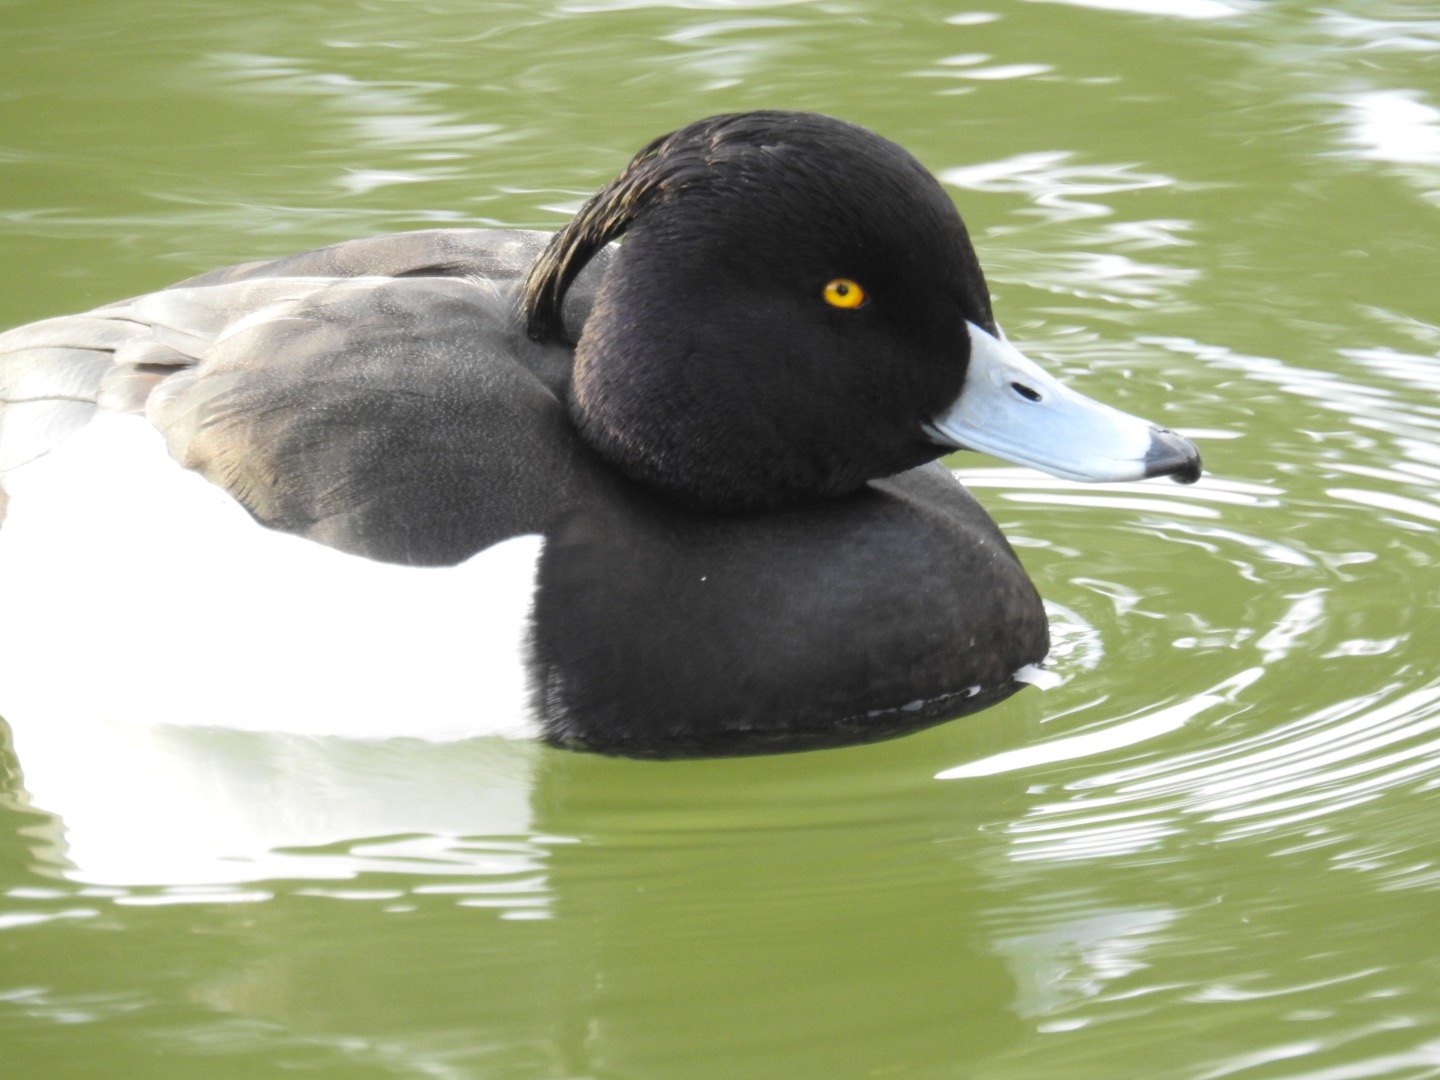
(1011,408)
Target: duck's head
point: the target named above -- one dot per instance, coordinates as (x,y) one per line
(796,310)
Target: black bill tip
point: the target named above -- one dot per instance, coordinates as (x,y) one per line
(1172,455)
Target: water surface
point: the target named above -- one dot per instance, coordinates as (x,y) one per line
(1207,851)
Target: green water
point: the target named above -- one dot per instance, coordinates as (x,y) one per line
(1209,851)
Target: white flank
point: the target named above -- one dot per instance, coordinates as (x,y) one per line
(137,593)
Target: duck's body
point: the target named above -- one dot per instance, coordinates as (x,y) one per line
(717,526)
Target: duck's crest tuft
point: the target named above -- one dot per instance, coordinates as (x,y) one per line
(671,163)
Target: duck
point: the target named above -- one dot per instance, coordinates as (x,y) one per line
(664,483)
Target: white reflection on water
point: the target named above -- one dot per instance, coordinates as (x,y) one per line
(1267,549)
(1317,766)
(1401,507)
(590,7)
(1304,618)
(1395,126)
(1320,763)
(974,66)
(195,812)
(1180,9)
(724,53)
(386,115)
(1053,183)
(1410,369)
(1098,257)
(1390,412)
(1074,955)
(1368,34)
(1027,486)
(1075,645)
(1111,737)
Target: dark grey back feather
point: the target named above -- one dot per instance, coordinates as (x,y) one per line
(373,395)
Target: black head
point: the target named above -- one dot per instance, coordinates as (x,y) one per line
(787,311)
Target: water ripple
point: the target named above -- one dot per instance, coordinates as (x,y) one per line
(1111,781)
(1277,781)
(1059,188)
(1179,9)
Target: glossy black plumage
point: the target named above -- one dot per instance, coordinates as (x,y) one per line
(747,543)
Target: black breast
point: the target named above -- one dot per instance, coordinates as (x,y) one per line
(661,633)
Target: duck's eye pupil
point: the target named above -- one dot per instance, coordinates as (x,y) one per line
(844,293)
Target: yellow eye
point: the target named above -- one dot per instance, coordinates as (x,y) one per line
(844,293)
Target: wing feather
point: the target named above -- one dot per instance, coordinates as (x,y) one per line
(378,395)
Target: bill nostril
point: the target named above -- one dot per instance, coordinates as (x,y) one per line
(1029,393)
